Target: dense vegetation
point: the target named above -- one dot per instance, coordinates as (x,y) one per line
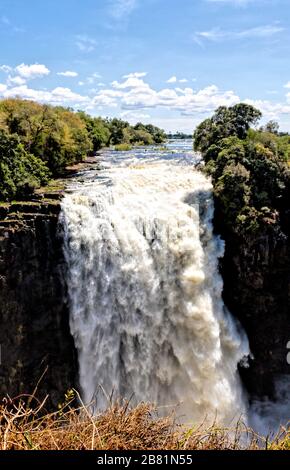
(249,167)
(38,141)
(179,136)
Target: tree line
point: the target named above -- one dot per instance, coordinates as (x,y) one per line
(38,141)
(249,167)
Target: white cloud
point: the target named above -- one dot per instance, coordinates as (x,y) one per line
(5,68)
(58,95)
(135,75)
(66,95)
(85,43)
(3,88)
(269,109)
(107,98)
(68,73)
(135,94)
(172,79)
(287,85)
(133,116)
(217,34)
(131,82)
(29,72)
(16,80)
(93,78)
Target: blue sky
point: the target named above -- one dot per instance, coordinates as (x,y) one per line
(163,61)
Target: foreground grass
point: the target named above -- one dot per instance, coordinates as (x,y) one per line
(24,425)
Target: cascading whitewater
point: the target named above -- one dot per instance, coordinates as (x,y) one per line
(146,311)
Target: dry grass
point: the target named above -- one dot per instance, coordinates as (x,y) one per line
(24,425)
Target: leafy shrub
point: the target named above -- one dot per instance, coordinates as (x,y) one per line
(123,147)
(248,169)
(20,171)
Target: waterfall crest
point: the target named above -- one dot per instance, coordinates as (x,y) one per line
(146,311)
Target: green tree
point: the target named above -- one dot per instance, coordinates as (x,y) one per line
(226,122)
(98,131)
(250,178)
(20,171)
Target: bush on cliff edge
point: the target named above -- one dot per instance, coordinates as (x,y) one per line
(248,167)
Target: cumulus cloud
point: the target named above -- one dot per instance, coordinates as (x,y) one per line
(16,80)
(134,96)
(135,75)
(5,68)
(59,95)
(68,73)
(172,79)
(131,82)
(269,109)
(107,98)
(29,72)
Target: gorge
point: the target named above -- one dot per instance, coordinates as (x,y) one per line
(138,281)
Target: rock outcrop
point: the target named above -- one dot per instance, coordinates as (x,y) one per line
(36,346)
(256,273)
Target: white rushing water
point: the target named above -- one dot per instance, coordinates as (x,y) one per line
(146,310)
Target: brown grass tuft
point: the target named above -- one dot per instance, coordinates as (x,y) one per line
(24,425)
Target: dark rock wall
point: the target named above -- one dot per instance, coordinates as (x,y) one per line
(34,321)
(256,273)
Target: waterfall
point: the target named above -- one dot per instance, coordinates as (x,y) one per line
(146,310)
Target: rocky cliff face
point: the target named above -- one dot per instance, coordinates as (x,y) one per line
(36,346)
(256,273)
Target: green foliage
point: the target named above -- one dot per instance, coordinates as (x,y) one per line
(38,141)
(56,135)
(226,122)
(20,171)
(141,134)
(98,130)
(158,135)
(247,166)
(123,147)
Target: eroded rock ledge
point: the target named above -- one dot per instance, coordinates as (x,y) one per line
(36,345)
(256,274)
